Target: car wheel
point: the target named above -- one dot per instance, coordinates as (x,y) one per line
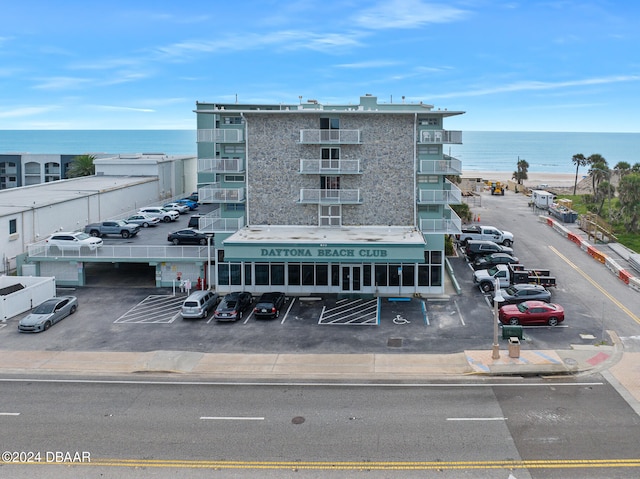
(514,321)
(507,243)
(145,225)
(167,219)
(47,325)
(486,287)
(125,234)
(205,313)
(94,233)
(175,241)
(203,241)
(553,321)
(72,310)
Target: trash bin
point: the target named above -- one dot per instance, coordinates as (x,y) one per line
(510,330)
(514,347)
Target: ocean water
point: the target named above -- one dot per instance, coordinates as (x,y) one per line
(480,151)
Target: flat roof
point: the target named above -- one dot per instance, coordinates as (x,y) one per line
(16,200)
(266,234)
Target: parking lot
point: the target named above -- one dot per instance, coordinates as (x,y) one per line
(117,314)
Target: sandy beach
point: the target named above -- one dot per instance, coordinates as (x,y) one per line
(553,180)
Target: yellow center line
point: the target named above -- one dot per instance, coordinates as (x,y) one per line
(357,465)
(594,283)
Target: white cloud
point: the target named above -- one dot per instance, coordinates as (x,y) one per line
(61,83)
(26,111)
(539,85)
(123,108)
(408,14)
(368,64)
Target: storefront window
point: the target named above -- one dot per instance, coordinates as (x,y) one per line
(436,275)
(277,274)
(322,275)
(394,278)
(223,274)
(408,275)
(423,275)
(366,275)
(335,275)
(307,274)
(236,276)
(294,274)
(247,274)
(381,274)
(262,274)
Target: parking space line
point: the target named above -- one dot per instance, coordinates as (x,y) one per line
(352,312)
(154,309)
(288,309)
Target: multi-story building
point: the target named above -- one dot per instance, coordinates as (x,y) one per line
(313,198)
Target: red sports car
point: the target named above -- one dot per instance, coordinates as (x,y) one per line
(531,313)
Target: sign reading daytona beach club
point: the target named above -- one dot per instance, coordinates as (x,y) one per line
(323,253)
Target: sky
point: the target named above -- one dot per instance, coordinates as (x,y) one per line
(522,65)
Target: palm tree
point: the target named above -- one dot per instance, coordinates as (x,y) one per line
(521,173)
(578,160)
(598,170)
(81,165)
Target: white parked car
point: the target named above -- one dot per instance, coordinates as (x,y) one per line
(158,212)
(73,241)
(143,220)
(179,207)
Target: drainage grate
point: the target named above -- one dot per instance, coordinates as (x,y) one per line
(297,420)
(394,342)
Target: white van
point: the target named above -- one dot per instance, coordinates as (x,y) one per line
(199,304)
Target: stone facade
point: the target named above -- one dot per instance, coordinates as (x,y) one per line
(386,157)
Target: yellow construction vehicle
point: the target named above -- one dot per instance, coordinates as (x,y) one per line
(497,188)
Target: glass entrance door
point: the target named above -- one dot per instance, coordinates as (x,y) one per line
(351,277)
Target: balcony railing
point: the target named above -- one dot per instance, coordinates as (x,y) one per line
(222,165)
(330,136)
(446,166)
(450,224)
(330,167)
(213,194)
(440,136)
(208,224)
(450,195)
(217,135)
(332,197)
(39,250)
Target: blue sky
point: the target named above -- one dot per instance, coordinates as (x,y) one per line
(525,65)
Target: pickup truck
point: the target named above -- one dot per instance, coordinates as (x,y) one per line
(119,227)
(508,275)
(485,233)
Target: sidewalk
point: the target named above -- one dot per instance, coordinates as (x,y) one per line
(313,367)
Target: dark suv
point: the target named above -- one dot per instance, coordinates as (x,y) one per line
(476,248)
(269,305)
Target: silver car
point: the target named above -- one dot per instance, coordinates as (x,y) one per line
(48,313)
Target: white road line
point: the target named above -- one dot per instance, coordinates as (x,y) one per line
(288,309)
(476,419)
(9,413)
(459,313)
(230,418)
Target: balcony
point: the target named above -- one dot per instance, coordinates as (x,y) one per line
(330,167)
(320,137)
(450,224)
(215,194)
(217,135)
(330,197)
(224,165)
(451,194)
(446,166)
(440,136)
(217,224)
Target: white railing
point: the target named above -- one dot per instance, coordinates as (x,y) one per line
(220,165)
(208,194)
(323,166)
(450,224)
(440,136)
(330,136)
(207,224)
(217,135)
(121,251)
(316,196)
(452,195)
(447,166)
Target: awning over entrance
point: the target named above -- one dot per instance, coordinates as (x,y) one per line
(370,244)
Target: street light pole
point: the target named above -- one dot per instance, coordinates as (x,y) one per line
(497,298)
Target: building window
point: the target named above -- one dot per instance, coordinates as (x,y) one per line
(234,178)
(330,215)
(277,274)
(307,275)
(236,274)
(13,226)
(234,206)
(230,149)
(262,274)
(232,120)
(431,121)
(322,275)
(381,274)
(293,270)
(330,158)
(329,123)
(335,275)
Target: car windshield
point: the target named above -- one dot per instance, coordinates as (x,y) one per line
(230,304)
(492,271)
(83,236)
(511,290)
(45,308)
(523,307)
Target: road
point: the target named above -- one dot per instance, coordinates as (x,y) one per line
(486,429)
